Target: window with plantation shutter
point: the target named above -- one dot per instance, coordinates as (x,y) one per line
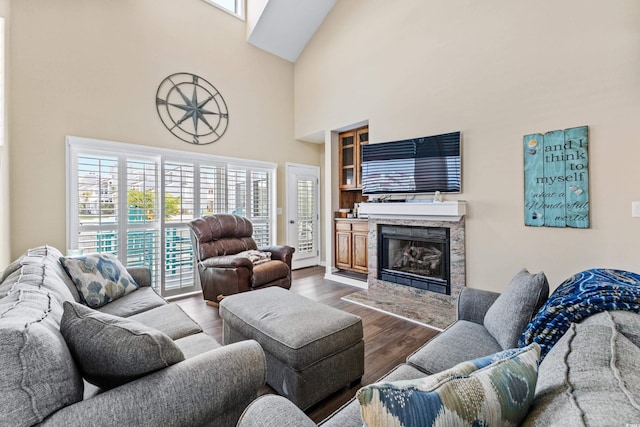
(96,199)
(135,202)
(260,203)
(141,200)
(179,204)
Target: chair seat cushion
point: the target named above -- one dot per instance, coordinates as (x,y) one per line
(268,272)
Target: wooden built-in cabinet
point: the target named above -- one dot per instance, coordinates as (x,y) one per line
(351,234)
(351,244)
(349,153)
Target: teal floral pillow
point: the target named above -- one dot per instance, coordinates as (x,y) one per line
(493,390)
(100,278)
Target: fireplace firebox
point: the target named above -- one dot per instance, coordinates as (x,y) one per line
(415,256)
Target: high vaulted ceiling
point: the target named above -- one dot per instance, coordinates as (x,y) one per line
(284,27)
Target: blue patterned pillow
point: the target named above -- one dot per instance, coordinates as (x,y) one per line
(478,392)
(100,278)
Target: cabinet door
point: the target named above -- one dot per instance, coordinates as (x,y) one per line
(348,159)
(360,258)
(343,249)
(362,138)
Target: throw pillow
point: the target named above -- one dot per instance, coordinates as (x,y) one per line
(497,394)
(256,257)
(111,350)
(100,278)
(515,307)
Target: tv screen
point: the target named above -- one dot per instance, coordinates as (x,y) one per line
(419,165)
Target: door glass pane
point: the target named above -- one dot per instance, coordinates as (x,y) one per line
(178,192)
(143,216)
(306,214)
(212,189)
(179,208)
(98,241)
(259,195)
(97,190)
(179,267)
(143,250)
(236,191)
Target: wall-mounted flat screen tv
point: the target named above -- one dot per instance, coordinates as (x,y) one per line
(413,166)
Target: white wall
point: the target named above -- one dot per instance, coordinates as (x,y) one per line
(495,70)
(92,67)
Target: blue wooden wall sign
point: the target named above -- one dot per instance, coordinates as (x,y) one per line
(556,179)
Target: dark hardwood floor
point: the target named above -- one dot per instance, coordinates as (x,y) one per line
(388,339)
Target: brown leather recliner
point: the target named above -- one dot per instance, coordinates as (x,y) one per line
(217,241)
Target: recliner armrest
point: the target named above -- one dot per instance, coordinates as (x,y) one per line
(282,253)
(227,261)
(474,303)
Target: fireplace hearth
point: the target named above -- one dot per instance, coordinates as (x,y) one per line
(415,256)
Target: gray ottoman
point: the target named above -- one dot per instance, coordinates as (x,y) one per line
(312,349)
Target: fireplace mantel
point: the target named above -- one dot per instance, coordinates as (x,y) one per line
(450,210)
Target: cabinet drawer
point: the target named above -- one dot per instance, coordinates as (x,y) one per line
(343,226)
(360,226)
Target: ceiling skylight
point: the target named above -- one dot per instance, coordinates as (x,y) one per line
(234,7)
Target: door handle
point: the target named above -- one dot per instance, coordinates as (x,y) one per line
(291,221)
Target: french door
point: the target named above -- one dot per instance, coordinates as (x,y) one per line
(135,202)
(303,199)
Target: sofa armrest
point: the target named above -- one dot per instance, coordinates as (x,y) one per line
(282,253)
(227,261)
(271,410)
(142,275)
(474,303)
(193,392)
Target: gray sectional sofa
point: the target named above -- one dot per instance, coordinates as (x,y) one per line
(41,382)
(590,377)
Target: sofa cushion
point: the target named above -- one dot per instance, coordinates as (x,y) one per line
(37,370)
(100,278)
(591,376)
(136,302)
(111,350)
(169,319)
(194,345)
(515,307)
(499,393)
(461,341)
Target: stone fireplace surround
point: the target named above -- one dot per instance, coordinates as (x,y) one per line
(429,308)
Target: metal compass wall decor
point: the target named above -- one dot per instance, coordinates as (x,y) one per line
(192,108)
